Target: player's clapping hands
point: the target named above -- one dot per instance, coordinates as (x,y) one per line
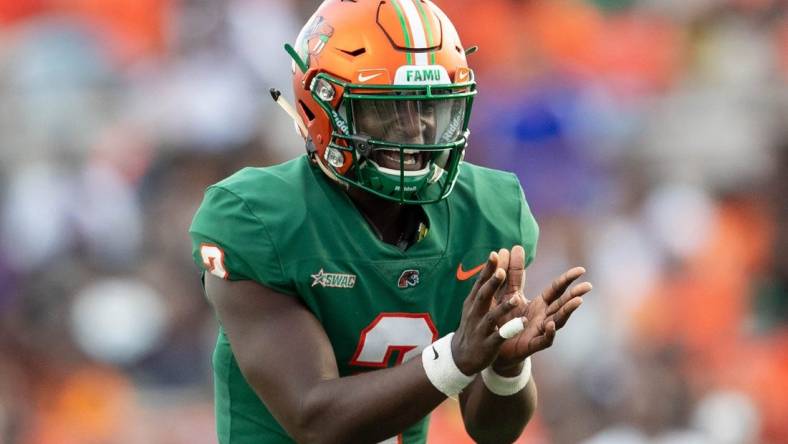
(543,315)
(496,298)
(476,342)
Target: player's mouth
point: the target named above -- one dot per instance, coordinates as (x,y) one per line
(411,160)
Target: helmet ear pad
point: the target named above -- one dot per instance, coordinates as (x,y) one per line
(319,123)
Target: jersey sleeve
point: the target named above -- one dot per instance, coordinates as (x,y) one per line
(529,228)
(231,242)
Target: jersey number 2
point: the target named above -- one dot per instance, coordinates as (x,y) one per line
(406,333)
(213,260)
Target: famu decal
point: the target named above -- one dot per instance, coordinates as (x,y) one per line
(422,75)
(333,280)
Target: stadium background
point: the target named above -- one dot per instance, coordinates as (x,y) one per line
(651,138)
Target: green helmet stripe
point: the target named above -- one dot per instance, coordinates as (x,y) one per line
(404,25)
(428,25)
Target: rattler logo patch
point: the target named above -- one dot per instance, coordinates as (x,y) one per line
(408,278)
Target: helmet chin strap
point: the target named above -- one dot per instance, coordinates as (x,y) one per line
(288,108)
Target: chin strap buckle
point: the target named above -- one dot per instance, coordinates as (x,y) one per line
(361,143)
(311,151)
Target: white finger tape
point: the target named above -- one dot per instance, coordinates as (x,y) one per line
(511,328)
(440,367)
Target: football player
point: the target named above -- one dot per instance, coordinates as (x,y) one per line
(361,284)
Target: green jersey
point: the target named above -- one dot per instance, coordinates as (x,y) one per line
(290,229)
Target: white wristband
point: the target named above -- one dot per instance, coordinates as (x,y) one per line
(440,367)
(503,386)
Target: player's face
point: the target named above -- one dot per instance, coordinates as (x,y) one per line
(402,121)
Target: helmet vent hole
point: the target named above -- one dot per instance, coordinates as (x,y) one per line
(309,114)
(355,52)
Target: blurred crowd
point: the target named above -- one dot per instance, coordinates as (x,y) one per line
(651,138)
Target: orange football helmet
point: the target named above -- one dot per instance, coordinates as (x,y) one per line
(385,94)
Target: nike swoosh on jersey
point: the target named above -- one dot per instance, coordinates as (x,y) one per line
(362,78)
(436,354)
(463,275)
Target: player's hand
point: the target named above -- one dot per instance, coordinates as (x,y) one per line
(476,342)
(544,315)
